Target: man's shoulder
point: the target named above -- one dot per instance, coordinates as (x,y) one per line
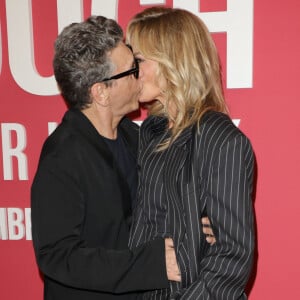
(130,132)
(129,125)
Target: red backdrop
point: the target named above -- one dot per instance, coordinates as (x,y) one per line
(259,48)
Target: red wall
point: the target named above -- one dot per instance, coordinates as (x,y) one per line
(266,103)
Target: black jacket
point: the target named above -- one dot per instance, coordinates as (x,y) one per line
(81,216)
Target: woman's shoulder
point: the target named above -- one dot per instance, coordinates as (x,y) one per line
(218,123)
(215,118)
(218,128)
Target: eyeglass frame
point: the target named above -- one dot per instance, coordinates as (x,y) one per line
(134,71)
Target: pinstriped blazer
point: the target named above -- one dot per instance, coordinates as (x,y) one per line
(210,171)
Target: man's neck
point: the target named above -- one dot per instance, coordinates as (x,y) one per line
(103,120)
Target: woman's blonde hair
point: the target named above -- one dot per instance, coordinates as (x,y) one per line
(188,61)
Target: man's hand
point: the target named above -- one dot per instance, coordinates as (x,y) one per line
(207,230)
(173,272)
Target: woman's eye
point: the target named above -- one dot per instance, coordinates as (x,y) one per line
(139,59)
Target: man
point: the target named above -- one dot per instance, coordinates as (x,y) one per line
(86,178)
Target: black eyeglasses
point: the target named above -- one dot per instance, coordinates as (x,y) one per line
(134,71)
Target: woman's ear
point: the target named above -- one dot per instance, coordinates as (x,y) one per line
(100,93)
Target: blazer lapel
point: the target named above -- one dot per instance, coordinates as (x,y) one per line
(176,159)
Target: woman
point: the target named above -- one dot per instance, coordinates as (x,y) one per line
(193,161)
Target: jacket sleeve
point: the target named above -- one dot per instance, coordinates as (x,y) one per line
(57,208)
(225,268)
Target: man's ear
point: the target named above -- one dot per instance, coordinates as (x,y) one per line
(100,93)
